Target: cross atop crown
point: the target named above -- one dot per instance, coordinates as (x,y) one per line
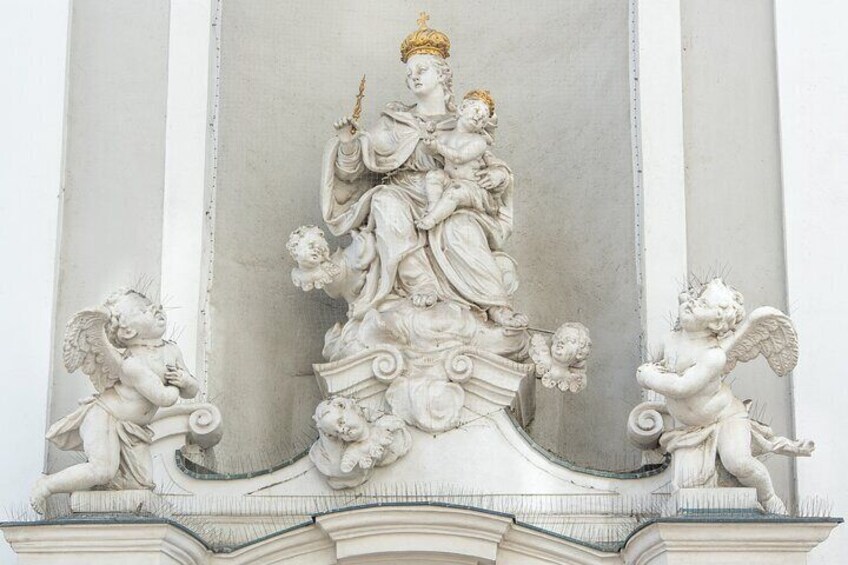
(423,18)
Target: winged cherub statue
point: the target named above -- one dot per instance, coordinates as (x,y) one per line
(563,364)
(715,432)
(119,345)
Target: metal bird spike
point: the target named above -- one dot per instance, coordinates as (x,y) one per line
(357,107)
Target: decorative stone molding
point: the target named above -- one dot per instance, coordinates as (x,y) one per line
(97,542)
(425,534)
(726,541)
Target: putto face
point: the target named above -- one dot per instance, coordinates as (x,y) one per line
(422,76)
(473,114)
(341,418)
(570,345)
(310,249)
(139,315)
(715,308)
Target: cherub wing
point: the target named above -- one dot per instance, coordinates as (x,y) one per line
(768,331)
(86,347)
(540,353)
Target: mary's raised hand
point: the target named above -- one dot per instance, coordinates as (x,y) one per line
(347,129)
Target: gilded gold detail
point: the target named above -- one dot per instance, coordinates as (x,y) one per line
(357,107)
(425,40)
(484,96)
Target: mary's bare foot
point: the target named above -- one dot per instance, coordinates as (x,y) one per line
(425,223)
(507,317)
(424,299)
(38,496)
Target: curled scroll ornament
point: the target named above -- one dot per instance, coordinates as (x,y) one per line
(387,365)
(459,366)
(646,424)
(205,426)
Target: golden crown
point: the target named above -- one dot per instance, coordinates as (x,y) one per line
(484,96)
(425,40)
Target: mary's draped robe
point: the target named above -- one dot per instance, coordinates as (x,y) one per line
(377,184)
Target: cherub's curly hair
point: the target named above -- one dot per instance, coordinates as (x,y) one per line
(335,403)
(300,233)
(115,322)
(730,316)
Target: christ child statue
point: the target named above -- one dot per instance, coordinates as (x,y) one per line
(458,186)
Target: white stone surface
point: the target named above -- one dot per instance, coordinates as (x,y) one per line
(189,53)
(33,52)
(112,502)
(659,161)
(521,469)
(130,544)
(689,500)
(811,50)
(730,543)
(421,535)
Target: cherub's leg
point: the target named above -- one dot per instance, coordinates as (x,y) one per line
(445,206)
(434,185)
(734,448)
(103,451)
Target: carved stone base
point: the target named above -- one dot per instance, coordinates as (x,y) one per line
(436,393)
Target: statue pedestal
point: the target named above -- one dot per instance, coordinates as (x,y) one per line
(435,393)
(695,500)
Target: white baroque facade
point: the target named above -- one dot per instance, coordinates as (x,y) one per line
(142,118)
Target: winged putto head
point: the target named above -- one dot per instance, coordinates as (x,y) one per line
(714,306)
(571,344)
(308,247)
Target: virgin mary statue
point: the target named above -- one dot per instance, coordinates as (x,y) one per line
(374,181)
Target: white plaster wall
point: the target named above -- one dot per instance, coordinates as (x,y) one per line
(114,167)
(812,51)
(33,37)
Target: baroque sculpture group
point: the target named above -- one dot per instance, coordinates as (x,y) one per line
(432,338)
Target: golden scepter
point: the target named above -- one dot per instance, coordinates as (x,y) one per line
(357,107)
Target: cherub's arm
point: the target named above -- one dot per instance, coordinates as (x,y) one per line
(187,383)
(148,384)
(469,151)
(707,369)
